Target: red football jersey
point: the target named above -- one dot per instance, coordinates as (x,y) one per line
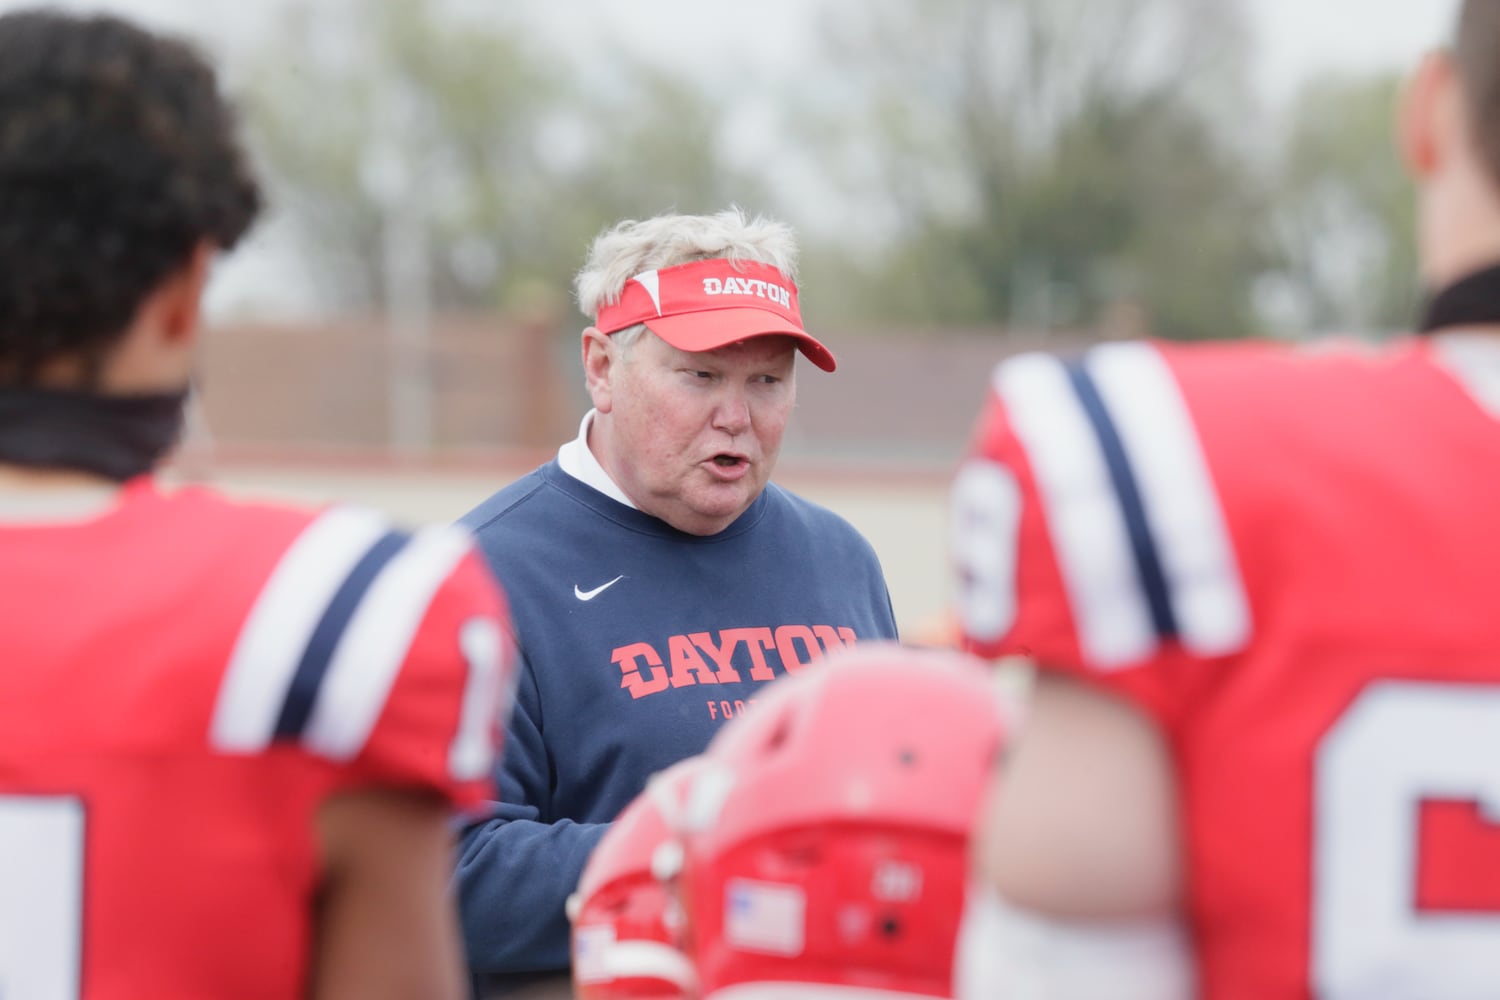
(1291,560)
(183,681)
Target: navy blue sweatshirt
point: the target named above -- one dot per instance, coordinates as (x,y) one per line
(637,642)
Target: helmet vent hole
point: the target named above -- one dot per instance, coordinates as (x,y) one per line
(778,736)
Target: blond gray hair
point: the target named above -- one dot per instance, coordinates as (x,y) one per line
(630,247)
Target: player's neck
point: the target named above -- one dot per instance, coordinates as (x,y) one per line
(1459,231)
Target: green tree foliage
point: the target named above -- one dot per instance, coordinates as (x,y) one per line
(1044,162)
(1029,164)
(401,121)
(1343,224)
(364,114)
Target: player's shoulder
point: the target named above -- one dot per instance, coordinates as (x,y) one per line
(195,513)
(1228,373)
(334,545)
(1147,394)
(1068,417)
(1129,484)
(1100,454)
(352,604)
(1120,373)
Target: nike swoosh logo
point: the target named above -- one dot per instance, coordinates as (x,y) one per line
(589,595)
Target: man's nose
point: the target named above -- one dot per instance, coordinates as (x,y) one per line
(732,414)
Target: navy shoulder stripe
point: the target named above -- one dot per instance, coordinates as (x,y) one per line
(307,679)
(1134,516)
(322,646)
(1132,509)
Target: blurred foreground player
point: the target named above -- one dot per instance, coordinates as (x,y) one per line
(1261,587)
(825,835)
(231,736)
(626,924)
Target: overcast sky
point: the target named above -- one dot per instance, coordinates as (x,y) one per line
(1303,37)
(1295,39)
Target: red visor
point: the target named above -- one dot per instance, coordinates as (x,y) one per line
(707,304)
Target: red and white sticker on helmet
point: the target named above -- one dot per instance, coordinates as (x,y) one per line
(765,917)
(895,881)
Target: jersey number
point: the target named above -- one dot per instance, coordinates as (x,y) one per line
(1400,751)
(41,896)
(984,536)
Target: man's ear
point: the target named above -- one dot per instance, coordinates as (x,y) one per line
(600,362)
(178,301)
(1427,124)
(157,349)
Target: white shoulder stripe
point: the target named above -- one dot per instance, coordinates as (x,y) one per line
(1089,535)
(276,631)
(1473,359)
(1178,494)
(376,642)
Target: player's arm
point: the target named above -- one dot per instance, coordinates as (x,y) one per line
(386,926)
(1086,826)
(1089,536)
(389,923)
(1077,857)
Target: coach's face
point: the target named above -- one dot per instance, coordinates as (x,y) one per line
(690,437)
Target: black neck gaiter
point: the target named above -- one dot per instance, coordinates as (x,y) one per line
(1473,300)
(117,437)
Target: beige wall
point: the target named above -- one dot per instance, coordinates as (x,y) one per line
(903,516)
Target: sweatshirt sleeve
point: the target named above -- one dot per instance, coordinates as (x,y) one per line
(515,869)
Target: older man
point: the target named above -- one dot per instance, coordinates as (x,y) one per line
(658,578)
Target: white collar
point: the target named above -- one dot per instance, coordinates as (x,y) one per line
(1473,358)
(577,460)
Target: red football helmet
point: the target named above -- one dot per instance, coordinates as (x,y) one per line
(825,837)
(623,917)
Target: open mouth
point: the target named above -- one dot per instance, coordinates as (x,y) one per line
(727,461)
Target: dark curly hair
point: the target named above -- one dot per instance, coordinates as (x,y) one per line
(117,158)
(1476,48)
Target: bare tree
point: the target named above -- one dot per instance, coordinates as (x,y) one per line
(1343,225)
(464,150)
(1051,157)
